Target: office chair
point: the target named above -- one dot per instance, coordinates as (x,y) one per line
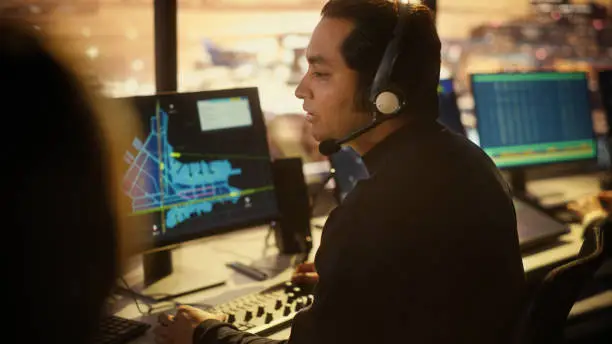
(545,316)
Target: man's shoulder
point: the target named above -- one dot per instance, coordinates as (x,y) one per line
(449,169)
(442,156)
(463,148)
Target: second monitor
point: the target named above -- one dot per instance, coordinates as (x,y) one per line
(536,118)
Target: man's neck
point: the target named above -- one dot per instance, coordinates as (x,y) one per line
(367,141)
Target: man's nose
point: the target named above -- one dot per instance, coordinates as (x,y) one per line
(301,91)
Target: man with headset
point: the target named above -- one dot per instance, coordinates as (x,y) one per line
(426,249)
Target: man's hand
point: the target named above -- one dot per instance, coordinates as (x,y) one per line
(179,329)
(592,204)
(605,198)
(585,205)
(305,274)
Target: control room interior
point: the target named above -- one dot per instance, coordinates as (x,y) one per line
(246,57)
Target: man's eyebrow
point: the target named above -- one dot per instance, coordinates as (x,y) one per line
(316,59)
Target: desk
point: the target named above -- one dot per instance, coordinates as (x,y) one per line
(553,192)
(248,246)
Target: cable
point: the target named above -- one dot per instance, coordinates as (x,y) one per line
(269,235)
(132,294)
(151,309)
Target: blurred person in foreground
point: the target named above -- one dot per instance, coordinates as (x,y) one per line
(426,249)
(63,216)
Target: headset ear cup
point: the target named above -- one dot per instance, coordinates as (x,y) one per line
(387,103)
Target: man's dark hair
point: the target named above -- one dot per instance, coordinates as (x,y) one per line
(417,68)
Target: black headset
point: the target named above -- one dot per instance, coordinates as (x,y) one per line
(387,100)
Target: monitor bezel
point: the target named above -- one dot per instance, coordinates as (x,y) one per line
(547,163)
(454,92)
(252,93)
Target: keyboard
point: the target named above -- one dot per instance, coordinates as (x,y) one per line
(117,330)
(269,311)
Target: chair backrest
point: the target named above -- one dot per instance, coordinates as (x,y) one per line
(547,313)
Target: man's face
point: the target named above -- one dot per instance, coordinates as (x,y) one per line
(328,88)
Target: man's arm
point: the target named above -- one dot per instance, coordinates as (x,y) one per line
(217,332)
(593,219)
(590,210)
(193,325)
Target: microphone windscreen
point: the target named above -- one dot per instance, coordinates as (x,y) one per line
(329,147)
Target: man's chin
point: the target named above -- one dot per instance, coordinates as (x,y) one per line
(318,137)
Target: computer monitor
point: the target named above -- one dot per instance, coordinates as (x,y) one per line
(349,168)
(201,167)
(449,113)
(534,118)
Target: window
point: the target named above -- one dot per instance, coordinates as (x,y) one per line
(115,37)
(243,43)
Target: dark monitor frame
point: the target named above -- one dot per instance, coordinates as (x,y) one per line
(454,92)
(258,121)
(519,168)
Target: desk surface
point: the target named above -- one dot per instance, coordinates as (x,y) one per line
(557,191)
(248,247)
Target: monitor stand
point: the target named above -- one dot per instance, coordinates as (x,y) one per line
(163,281)
(518,183)
(605,181)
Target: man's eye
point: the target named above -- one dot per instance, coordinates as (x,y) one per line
(319,74)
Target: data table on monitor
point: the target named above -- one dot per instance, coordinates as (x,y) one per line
(534,118)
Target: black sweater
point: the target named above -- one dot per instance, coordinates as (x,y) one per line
(424,251)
